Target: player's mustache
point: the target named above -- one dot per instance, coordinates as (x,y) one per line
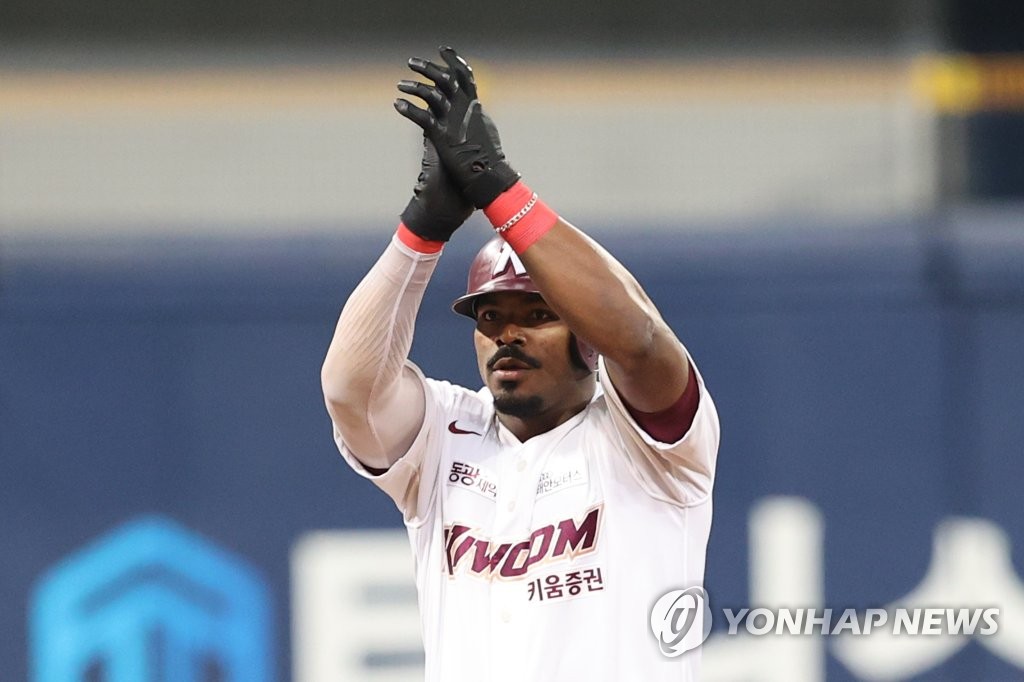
(515,353)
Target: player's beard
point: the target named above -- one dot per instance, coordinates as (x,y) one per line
(506,401)
(519,406)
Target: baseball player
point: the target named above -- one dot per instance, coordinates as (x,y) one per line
(551,508)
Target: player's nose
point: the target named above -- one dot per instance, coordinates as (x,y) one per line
(511,334)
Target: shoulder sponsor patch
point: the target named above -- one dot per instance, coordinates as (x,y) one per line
(560,475)
(474,478)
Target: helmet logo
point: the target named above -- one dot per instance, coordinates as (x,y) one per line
(505,256)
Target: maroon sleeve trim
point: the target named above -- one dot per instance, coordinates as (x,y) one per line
(672,423)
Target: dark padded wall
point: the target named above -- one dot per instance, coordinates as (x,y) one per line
(876,372)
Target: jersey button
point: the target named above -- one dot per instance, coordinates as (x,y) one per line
(506,617)
(521,465)
(512,505)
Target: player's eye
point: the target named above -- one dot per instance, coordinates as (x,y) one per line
(542,315)
(487,316)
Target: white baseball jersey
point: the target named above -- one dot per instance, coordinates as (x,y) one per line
(541,560)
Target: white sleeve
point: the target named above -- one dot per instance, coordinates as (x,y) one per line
(411,482)
(682,472)
(375,401)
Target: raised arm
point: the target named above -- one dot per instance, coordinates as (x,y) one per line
(376,402)
(583,283)
(602,303)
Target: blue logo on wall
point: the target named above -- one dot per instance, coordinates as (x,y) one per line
(151,602)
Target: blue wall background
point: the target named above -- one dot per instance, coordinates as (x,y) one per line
(875,371)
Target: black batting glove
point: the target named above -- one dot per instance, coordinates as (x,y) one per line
(437,208)
(465,136)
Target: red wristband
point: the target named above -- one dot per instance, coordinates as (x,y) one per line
(416,242)
(520,217)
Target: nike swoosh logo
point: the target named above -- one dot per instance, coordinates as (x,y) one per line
(455,429)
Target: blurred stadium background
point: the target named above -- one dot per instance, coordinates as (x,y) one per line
(825,199)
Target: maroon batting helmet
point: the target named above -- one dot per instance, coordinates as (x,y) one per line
(496,267)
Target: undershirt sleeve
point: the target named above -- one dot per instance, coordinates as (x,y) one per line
(672,423)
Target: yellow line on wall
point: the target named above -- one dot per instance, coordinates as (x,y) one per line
(962,84)
(565,82)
